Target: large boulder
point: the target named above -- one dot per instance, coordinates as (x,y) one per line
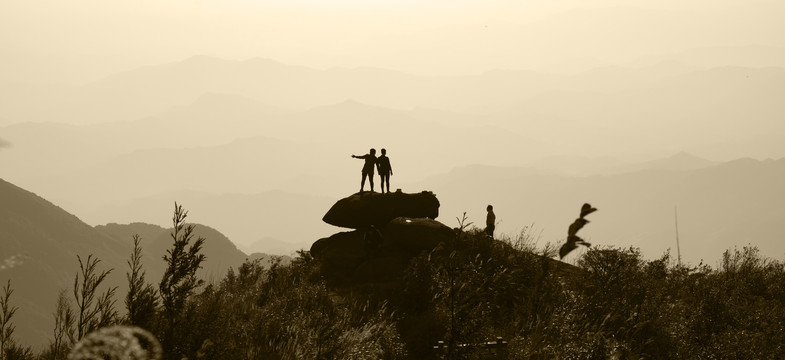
(344,250)
(367,209)
(378,254)
(414,235)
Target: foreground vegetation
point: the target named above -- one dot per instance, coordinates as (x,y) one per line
(613,304)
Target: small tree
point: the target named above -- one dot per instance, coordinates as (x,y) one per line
(92,313)
(63,333)
(6,326)
(107,313)
(179,280)
(142,299)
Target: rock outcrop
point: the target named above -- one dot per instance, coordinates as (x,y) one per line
(344,250)
(413,235)
(390,229)
(366,209)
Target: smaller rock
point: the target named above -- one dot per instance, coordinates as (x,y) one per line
(415,235)
(346,250)
(370,254)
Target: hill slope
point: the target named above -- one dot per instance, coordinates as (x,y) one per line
(46,239)
(40,242)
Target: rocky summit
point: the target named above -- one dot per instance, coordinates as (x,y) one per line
(390,229)
(366,209)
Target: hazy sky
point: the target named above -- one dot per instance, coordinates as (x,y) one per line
(4,143)
(80,40)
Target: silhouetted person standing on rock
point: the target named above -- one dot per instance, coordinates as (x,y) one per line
(490,221)
(385,170)
(370,162)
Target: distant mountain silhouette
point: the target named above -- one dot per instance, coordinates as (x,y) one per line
(122,232)
(585,166)
(249,164)
(279,215)
(40,243)
(694,103)
(46,239)
(577,165)
(210,101)
(681,161)
(152,90)
(221,253)
(748,56)
(271,245)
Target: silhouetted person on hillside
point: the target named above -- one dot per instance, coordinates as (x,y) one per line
(385,170)
(490,221)
(370,162)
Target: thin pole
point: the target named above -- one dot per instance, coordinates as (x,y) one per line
(676,218)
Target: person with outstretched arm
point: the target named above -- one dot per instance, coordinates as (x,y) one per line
(385,169)
(370,163)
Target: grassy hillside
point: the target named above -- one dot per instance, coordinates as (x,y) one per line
(613,304)
(470,289)
(40,242)
(46,241)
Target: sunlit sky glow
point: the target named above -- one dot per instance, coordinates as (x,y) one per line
(91,38)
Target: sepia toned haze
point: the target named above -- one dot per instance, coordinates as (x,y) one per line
(247,112)
(52,41)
